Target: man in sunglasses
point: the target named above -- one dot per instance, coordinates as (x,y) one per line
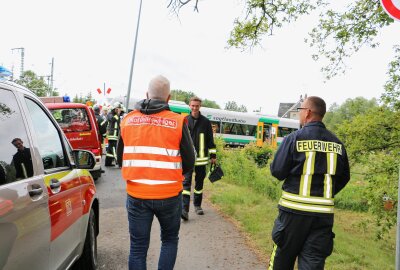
(314,166)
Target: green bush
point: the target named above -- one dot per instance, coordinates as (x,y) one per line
(240,168)
(260,155)
(244,167)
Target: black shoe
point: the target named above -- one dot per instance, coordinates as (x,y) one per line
(185,215)
(199,210)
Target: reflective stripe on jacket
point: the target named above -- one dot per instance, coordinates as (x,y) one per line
(203,139)
(152,163)
(314,165)
(113,128)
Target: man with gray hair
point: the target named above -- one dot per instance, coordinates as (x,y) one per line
(154,150)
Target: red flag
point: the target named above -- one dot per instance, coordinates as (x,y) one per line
(98,90)
(108,90)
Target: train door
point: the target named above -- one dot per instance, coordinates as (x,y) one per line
(260,134)
(273,135)
(267,132)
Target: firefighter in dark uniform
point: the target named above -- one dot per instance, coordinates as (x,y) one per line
(203,140)
(112,134)
(101,123)
(314,166)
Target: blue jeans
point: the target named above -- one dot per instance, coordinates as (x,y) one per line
(140,217)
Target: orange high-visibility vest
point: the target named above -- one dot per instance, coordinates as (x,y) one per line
(152,164)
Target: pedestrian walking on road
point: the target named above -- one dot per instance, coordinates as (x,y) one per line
(155,150)
(314,166)
(203,139)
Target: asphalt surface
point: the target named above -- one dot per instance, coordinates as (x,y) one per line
(206,242)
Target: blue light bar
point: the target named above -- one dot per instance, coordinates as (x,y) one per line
(4,73)
(66,99)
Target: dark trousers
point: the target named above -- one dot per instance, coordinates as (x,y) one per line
(200,174)
(140,216)
(111,152)
(307,238)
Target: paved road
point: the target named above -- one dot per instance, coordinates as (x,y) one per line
(206,242)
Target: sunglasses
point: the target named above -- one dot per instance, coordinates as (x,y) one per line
(301,108)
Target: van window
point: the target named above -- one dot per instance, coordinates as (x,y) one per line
(15,154)
(72,119)
(49,141)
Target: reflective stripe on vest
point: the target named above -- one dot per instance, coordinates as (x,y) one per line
(152,164)
(151,150)
(153,182)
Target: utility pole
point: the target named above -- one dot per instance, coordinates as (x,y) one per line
(51,75)
(133,59)
(22,50)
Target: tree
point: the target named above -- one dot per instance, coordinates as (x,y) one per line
(351,108)
(339,34)
(391,97)
(31,81)
(233,106)
(210,104)
(181,95)
(79,99)
(373,140)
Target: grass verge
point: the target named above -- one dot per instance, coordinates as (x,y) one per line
(355,244)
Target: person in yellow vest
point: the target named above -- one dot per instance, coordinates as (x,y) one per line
(155,150)
(314,166)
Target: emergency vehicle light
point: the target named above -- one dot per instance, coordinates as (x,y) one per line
(66,99)
(4,73)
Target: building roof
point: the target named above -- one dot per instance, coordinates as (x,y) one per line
(284,108)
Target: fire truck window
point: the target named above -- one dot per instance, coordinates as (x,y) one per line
(15,155)
(72,119)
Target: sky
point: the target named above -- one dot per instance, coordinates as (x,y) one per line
(92,45)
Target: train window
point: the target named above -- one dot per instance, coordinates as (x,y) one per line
(284,131)
(239,129)
(216,127)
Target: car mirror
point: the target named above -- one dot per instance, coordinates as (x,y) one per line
(83,159)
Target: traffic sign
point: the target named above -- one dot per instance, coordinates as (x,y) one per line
(392,8)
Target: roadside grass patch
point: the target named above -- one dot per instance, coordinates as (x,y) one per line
(355,244)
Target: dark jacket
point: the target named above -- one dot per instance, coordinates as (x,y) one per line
(153,106)
(113,126)
(22,161)
(102,124)
(202,137)
(313,163)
